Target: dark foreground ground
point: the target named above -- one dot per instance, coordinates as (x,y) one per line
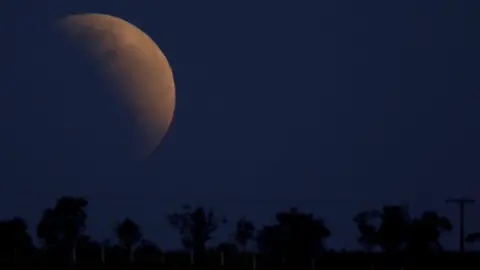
(181,261)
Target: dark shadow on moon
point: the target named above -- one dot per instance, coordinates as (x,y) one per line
(60,117)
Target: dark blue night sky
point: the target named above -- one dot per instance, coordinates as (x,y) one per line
(332,106)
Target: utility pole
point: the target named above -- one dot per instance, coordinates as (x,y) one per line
(461,203)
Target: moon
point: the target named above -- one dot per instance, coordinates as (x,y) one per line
(138,74)
(84,98)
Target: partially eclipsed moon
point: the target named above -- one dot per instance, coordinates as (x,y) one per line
(137,73)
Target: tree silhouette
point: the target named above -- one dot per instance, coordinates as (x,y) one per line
(128,234)
(398,231)
(392,233)
(296,236)
(244,232)
(368,232)
(61,226)
(15,240)
(293,242)
(394,229)
(425,232)
(195,227)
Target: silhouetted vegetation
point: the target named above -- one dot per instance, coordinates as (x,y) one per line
(245,232)
(128,234)
(296,237)
(391,238)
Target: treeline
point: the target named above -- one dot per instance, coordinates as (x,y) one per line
(297,240)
